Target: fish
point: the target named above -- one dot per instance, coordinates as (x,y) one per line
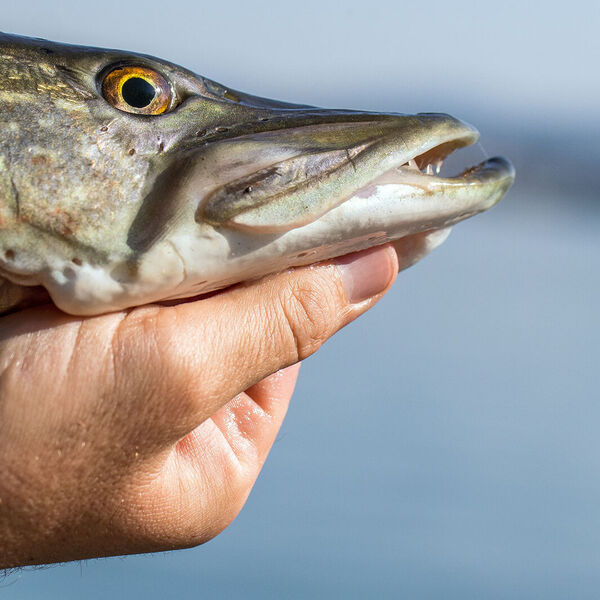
(127,180)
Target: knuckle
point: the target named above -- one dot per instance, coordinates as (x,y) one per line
(310,312)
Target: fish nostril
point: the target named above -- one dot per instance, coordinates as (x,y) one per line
(9,254)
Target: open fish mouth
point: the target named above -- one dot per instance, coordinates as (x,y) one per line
(430,164)
(424,172)
(311,170)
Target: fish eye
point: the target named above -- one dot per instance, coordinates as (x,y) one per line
(138,90)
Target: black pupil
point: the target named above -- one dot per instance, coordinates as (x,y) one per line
(137,92)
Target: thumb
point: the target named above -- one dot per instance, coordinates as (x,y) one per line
(203,353)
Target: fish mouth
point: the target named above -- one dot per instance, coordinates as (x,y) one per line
(311,169)
(424,171)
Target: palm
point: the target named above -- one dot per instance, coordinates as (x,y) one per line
(154,443)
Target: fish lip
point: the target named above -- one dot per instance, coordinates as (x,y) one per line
(474,190)
(495,169)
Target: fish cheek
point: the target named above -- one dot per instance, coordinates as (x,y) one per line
(159,207)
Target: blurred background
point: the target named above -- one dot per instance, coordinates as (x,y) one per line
(445,445)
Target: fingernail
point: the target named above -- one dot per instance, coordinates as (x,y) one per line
(367,273)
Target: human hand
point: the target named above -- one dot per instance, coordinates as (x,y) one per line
(145,430)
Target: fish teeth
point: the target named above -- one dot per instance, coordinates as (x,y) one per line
(430,169)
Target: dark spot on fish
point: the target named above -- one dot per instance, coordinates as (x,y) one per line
(132,152)
(161,147)
(69,273)
(248,189)
(201,133)
(264,119)
(76,261)
(9,255)
(124,272)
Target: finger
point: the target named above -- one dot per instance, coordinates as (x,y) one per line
(227,466)
(194,357)
(269,392)
(251,420)
(205,482)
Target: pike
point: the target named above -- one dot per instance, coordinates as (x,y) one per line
(125,179)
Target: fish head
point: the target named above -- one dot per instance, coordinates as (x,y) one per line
(125,179)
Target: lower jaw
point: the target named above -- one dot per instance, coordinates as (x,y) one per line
(380,213)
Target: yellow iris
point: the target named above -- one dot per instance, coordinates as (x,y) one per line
(136,89)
